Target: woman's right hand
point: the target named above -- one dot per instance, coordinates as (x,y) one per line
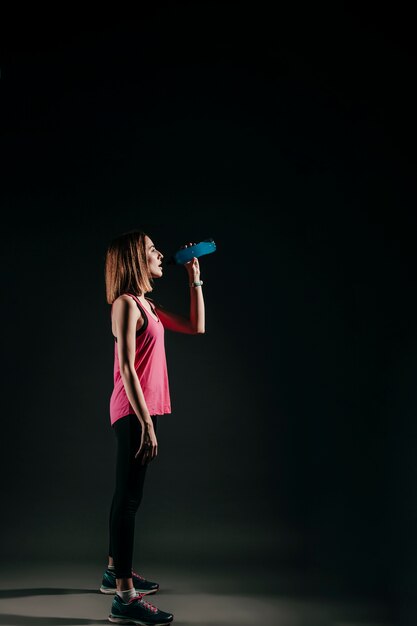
(148,448)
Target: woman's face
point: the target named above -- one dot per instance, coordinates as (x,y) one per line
(154,258)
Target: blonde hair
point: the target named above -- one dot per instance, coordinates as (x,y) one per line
(126,266)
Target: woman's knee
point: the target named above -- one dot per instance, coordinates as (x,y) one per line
(126,501)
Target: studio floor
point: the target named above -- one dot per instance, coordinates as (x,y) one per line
(65,594)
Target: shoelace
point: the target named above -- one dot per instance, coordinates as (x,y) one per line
(147,605)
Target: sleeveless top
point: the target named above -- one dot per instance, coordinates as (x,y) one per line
(150,366)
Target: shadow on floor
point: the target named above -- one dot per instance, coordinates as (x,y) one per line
(42,591)
(27,620)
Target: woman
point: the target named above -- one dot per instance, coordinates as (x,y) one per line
(140,394)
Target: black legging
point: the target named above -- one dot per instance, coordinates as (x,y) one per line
(130,477)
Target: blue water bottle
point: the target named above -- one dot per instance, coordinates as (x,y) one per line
(186,254)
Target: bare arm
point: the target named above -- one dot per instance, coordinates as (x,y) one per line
(195,323)
(126,314)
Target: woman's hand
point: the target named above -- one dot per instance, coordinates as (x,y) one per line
(148,445)
(193,266)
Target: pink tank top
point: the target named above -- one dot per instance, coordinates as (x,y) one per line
(150,366)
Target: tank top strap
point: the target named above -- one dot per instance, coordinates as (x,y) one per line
(146,313)
(139,305)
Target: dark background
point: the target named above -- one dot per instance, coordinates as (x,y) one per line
(288,137)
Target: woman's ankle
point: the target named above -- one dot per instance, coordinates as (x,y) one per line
(124,584)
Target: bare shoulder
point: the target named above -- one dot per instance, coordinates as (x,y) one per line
(124,305)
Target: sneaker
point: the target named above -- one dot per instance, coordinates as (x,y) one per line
(138,611)
(143,586)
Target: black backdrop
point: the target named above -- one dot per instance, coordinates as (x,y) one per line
(289,138)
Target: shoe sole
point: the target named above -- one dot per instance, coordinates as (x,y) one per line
(128,620)
(108,591)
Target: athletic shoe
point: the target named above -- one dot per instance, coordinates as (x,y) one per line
(143,586)
(138,611)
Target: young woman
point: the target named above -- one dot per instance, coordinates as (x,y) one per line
(140,394)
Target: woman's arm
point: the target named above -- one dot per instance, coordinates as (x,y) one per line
(126,314)
(195,323)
